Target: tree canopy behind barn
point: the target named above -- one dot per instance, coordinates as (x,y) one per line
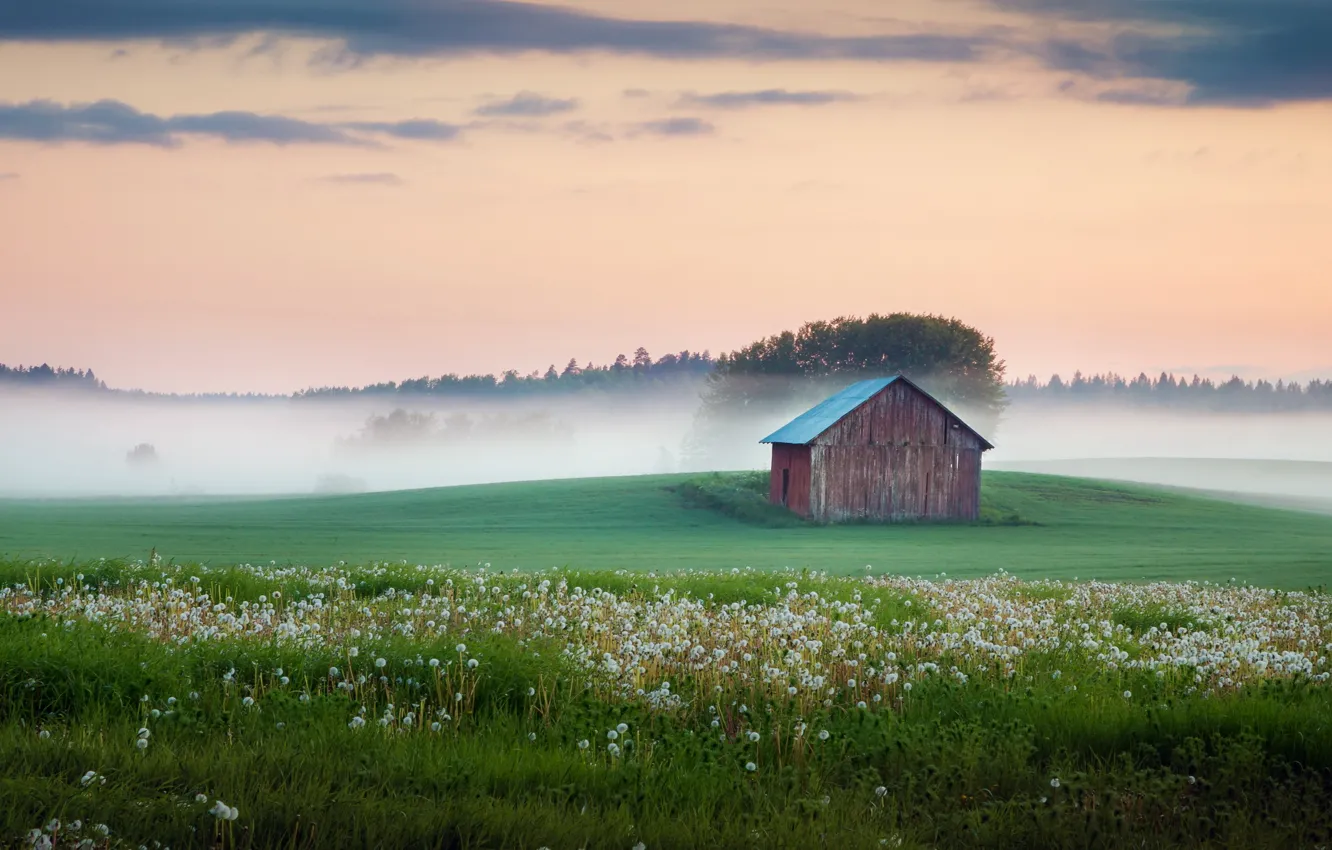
(957,360)
(789,371)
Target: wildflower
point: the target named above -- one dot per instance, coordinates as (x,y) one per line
(823,735)
(471,663)
(142,743)
(612,734)
(381,663)
(584,744)
(622,728)
(881,791)
(43,735)
(462,647)
(201,798)
(531,736)
(247,702)
(457,697)
(356,723)
(434,662)
(1054,783)
(354,651)
(750,766)
(1128,694)
(88,778)
(435,727)
(753,736)
(613,749)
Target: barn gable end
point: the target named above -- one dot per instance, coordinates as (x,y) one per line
(882,449)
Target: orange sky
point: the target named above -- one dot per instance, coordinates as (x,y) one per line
(1080,234)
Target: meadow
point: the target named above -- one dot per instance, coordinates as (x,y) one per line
(166,706)
(660,663)
(1083,529)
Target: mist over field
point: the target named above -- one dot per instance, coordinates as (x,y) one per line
(60,444)
(52,445)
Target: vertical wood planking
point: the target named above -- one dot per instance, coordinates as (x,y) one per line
(898,456)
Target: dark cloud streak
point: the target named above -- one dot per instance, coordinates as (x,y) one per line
(674,127)
(766,97)
(110,122)
(366,28)
(1239,53)
(527,105)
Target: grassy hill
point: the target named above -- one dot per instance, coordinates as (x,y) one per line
(1085,529)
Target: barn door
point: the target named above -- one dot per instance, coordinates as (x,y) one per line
(786,485)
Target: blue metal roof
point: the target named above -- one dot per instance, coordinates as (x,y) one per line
(807,426)
(819,418)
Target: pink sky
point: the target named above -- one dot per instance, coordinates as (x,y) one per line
(1080,234)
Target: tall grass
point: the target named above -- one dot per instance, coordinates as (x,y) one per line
(1042,759)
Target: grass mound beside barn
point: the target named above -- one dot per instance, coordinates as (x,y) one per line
(743,496)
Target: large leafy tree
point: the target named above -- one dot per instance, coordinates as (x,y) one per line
(788,371)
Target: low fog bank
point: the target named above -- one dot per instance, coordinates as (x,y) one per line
(1284,458)
(59,445)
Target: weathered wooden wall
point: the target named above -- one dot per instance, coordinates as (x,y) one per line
(794,459)
(898,456)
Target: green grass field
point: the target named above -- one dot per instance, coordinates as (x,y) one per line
(381,705)
(1085,529)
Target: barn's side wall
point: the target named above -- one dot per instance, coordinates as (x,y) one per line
(898,456)
(795,460)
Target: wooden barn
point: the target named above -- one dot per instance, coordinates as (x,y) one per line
(880,449)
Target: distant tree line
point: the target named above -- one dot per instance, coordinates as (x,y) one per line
(47,376)
(1170,391)
(641,372)
(950,359)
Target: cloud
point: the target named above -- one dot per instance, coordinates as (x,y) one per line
(365,28)
(1136,97)
(1242,53)
(766,97)
(635,93)
(378,178)
(418,129)
(8,175)
(674,127)
(527,105)
(110,122)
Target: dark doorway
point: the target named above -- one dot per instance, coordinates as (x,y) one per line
(786,484)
